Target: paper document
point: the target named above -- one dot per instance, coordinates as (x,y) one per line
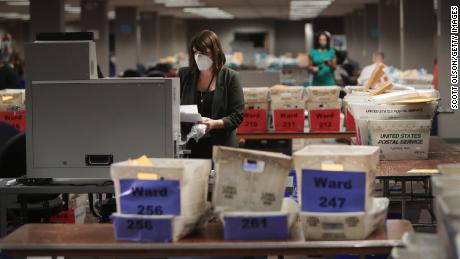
(189,113)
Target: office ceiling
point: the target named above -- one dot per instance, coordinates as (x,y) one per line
(240,9)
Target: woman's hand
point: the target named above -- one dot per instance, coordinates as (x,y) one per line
(314,69)
(212,124)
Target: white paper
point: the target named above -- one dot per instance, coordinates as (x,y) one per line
(189,113)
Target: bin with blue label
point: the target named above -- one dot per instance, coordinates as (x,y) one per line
(249,180)
(276,225)
(160,200)
(336,186)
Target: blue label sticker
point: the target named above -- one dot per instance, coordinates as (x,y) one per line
(150,197)
(291,186)
(332,191)
(256,227)
(139,229)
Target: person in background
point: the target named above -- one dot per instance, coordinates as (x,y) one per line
(377,57)
(217,92)
(18,64)
(6,48)
(323,61)
(8,76)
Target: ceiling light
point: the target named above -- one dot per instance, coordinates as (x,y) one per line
(72,9)
(111,15)
(307,8)
(179,3)
(18,3)
(14,15)
(209,12)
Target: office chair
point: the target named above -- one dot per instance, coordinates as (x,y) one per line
(7,131)
(156,73)
(131,73)
(13,165)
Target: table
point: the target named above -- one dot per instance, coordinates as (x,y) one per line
(440,153)
(299,135)
(59,186)
(98,240)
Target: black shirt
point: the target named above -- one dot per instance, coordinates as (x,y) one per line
(205,107)
(8,77)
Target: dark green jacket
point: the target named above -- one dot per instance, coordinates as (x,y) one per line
(228,102)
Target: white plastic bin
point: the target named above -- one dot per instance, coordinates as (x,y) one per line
(256,98)
(139,196)
(449,169)
(358,225)
(145,228)
(272,225)
(323,93)
(11,99)
(339,159)
(400,139)
(248,180)
(367,110)
(293,93)
(447,211)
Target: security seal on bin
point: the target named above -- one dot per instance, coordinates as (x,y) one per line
(257,227)
(150,197)
(143,229)
(333,191)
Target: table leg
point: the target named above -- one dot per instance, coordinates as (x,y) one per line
(3,215)
(403,199)
(386,188)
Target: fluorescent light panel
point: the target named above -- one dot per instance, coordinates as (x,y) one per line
(18,3)
(307,8)
(179,3)
(72,9)
(14,15)
(209,12)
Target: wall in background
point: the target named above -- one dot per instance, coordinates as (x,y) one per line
(289,37)
(226,29)
(334,25)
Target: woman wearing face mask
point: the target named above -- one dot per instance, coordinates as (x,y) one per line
(216,91)
(323,61)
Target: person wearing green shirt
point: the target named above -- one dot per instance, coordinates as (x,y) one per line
(323,61)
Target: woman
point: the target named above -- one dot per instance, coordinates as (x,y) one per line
(323,61)
(216,91)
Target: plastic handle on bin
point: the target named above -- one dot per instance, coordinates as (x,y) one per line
(253,166)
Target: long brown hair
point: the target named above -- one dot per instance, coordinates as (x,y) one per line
(203,41)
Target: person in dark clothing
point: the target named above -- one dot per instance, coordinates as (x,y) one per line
(8,77)
(217,92)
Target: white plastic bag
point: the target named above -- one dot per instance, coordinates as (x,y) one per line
(197,132)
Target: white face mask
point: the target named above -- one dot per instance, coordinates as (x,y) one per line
(203,62)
